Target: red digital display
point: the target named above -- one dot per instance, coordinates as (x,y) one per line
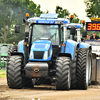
(93,26)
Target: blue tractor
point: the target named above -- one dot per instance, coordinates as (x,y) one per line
(46,54)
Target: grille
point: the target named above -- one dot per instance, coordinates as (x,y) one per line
(38,54)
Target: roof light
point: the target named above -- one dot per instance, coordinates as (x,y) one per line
(83,21)
(27,15)
(71,16)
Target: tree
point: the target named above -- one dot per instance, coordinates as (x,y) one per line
(62,13)
(75,19)
(12,12)
(93,7)
(34,9)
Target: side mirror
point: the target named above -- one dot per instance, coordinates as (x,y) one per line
(72,30)
(17,29)
(84,34)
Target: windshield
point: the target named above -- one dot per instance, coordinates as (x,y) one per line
(4,49)
(46,32)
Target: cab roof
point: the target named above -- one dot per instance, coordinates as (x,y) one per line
(48,19)
(76,25)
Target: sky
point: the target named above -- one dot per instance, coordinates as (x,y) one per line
(73,6)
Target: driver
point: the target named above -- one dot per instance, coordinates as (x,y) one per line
(94,36)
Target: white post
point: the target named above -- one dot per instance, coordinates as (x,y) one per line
(65,32)
(78,35)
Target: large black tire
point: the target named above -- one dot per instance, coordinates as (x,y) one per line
(14,78)
(82,69)
(63,73)
(73,72)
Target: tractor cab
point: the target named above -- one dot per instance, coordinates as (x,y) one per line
(45,37)
(74,31)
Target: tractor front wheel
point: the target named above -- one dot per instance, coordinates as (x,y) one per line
(63,73)
(14,78)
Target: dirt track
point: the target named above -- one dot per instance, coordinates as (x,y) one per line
(47,93)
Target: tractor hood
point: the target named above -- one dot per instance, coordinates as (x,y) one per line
(41,50)
(41,45)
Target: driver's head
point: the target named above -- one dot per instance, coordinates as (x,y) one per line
(94,33)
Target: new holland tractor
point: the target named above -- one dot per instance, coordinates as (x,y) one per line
(46,53)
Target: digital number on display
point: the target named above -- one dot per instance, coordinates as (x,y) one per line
(92,26)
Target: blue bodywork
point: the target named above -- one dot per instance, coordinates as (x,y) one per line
(83,45)
(21,46)
(41,45)
(69,48)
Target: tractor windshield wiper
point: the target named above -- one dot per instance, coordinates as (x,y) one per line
(52,36)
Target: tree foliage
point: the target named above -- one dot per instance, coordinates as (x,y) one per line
(12,12)
(93,7)
(62,13)
(75,19)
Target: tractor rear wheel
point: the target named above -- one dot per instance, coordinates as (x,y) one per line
(14,78)
(73,72)
(82,69)
(63,73)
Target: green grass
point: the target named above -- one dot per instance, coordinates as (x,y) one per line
(2,70)
(2,73)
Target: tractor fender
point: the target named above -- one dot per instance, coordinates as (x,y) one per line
(84,45)
(21,47)
(69,49)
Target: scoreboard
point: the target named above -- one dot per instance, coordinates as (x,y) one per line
(93,26)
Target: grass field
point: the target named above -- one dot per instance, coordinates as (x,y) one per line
(2,73)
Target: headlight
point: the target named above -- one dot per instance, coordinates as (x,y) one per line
(31,55)
(2,59)
(45,55)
